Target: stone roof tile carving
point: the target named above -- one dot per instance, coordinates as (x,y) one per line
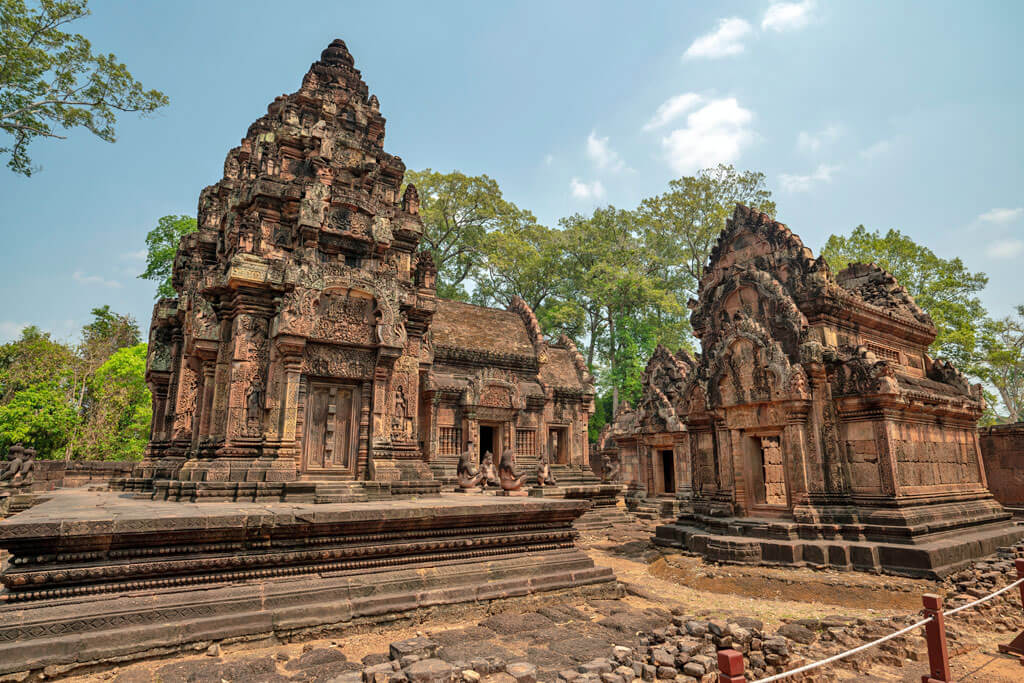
(467,326)
(880,288)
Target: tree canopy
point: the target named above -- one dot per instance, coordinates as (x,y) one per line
(1001,362)
(161,248)
(89,400)
(944,288)
(458,212)
(51,80)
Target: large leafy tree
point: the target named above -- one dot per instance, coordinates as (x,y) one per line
(118,424)
(618,296)
(944,288)
(35,358)
(521,258)
(1002,362)
(88,400)
(161,248)
(681,225)
(51,80)
(458,211)
(39,416)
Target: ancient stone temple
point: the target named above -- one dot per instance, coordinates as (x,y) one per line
(307,342)
(814,427)
(305,375)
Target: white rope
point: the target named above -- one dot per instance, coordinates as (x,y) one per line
(843,655)
(897,634)
(984,599)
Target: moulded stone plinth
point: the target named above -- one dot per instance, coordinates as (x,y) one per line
(96,576)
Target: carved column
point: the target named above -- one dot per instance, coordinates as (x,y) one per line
(888,474)
(207,353)
(289,349)
(362,464)
(794,442)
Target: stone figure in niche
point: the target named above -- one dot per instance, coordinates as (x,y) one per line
(401,424)
(609,468)
(507,475)
(488,471)
(254,406)
(467,474)
(544,476)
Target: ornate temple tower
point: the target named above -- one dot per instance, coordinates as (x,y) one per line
(294,348)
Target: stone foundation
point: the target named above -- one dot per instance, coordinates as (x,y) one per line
(926,541)
(94,576)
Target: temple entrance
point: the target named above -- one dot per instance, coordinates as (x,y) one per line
(558,445)
(668,472)
(330,433)
(766,471)
(489,441)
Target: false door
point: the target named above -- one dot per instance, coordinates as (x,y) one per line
(331,428)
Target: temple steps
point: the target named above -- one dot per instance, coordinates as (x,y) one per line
(445,468)
(572,475)
(340,492)
(656,509)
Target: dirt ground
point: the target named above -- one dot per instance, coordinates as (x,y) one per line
(655,579)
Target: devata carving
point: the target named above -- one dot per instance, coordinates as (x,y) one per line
(814,402)
(307,338)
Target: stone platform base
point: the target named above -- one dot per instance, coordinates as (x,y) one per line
(904,551)
(95,577)
(303,491)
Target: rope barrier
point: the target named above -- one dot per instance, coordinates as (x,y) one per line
(843,655)
(988,597)
(879,641)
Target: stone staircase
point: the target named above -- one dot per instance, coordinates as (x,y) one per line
(655,510)
(572,475)
(445,469)
(340,492)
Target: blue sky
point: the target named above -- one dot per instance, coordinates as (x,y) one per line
(891,114)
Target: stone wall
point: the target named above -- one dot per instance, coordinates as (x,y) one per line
(1002,451)
(55,474)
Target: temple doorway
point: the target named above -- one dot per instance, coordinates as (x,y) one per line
(558,445)
(488,442)
(329,438)
(766,471)
(668,472)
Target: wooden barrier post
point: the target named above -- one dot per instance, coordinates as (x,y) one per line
(730,667)
(1016,646)
(935,634)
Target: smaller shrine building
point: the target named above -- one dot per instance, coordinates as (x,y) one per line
(813,427)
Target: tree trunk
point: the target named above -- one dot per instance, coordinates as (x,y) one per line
(611,363)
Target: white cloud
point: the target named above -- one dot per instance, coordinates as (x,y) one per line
(814,142)
(803,183)
(714,134)
(85,279)
(10,330)
(549,159)
(787,16)
(876,150)
(1001,215)
(139,255)
(1005,249)
(582,190)
(601,153)
(724,41)
(673,108)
